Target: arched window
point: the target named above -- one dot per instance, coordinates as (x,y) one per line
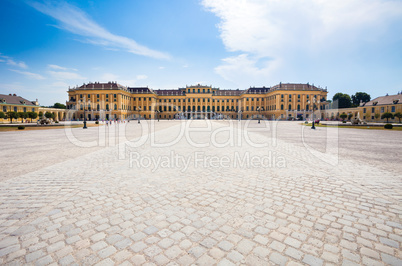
(107,107)
(298,107)
(98,107)
(281,106)
(290,107)
(115,106)
(307,107)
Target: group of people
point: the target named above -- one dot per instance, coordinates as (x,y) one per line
(115,121)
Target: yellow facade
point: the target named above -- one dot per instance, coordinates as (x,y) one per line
(372,110)
(374,113)
(17,108)
(113,101)
(14,103)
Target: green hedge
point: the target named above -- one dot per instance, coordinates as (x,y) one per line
(388,126)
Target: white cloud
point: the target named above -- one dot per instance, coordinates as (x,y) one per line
(78,22)
(10,61)
(106,77)
(272,36)
(29,74)
(60,84)
(140,77)
(11,87)
(128,82)
(56,67)
(63,75)
(161,67)
(244,65)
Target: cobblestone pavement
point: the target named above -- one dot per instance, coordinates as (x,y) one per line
(195,202)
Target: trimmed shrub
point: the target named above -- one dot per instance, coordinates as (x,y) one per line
(21,127)
(97,122)
(388,126)
(57,122)
(343,121)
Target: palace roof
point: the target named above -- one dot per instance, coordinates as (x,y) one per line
(182,91)
(102,86)
(177,92)
(297,87)
(258,90)
(14,99)
(383,100)
(144,90)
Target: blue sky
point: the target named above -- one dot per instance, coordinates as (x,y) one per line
(344,45)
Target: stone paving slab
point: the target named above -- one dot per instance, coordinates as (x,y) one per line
(101,208)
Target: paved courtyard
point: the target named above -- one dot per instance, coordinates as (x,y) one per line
(203,193)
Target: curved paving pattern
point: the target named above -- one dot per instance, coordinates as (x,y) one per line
(96,209)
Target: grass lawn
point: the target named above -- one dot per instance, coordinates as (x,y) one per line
(358,127)
(15,128)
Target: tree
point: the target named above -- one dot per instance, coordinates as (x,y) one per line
(343,100)
(398,115)
(387,116)
(343,116)
(40,114)
(360,96)
(12,115)
(22,115)
(350,116)
(48,115)
(377,115)
(32,115)
(2,115)
(59,105)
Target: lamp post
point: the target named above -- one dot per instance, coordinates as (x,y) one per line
(314,101)
(85,117)
(157,114)
(139,112)
(240,111)
(259,113)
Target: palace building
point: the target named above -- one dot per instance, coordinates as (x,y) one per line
(114,101)
(14,103)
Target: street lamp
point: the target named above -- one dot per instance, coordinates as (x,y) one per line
(259,114)
(314,101)
(85,117)
(157,114)
(139,112)
(240,111)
